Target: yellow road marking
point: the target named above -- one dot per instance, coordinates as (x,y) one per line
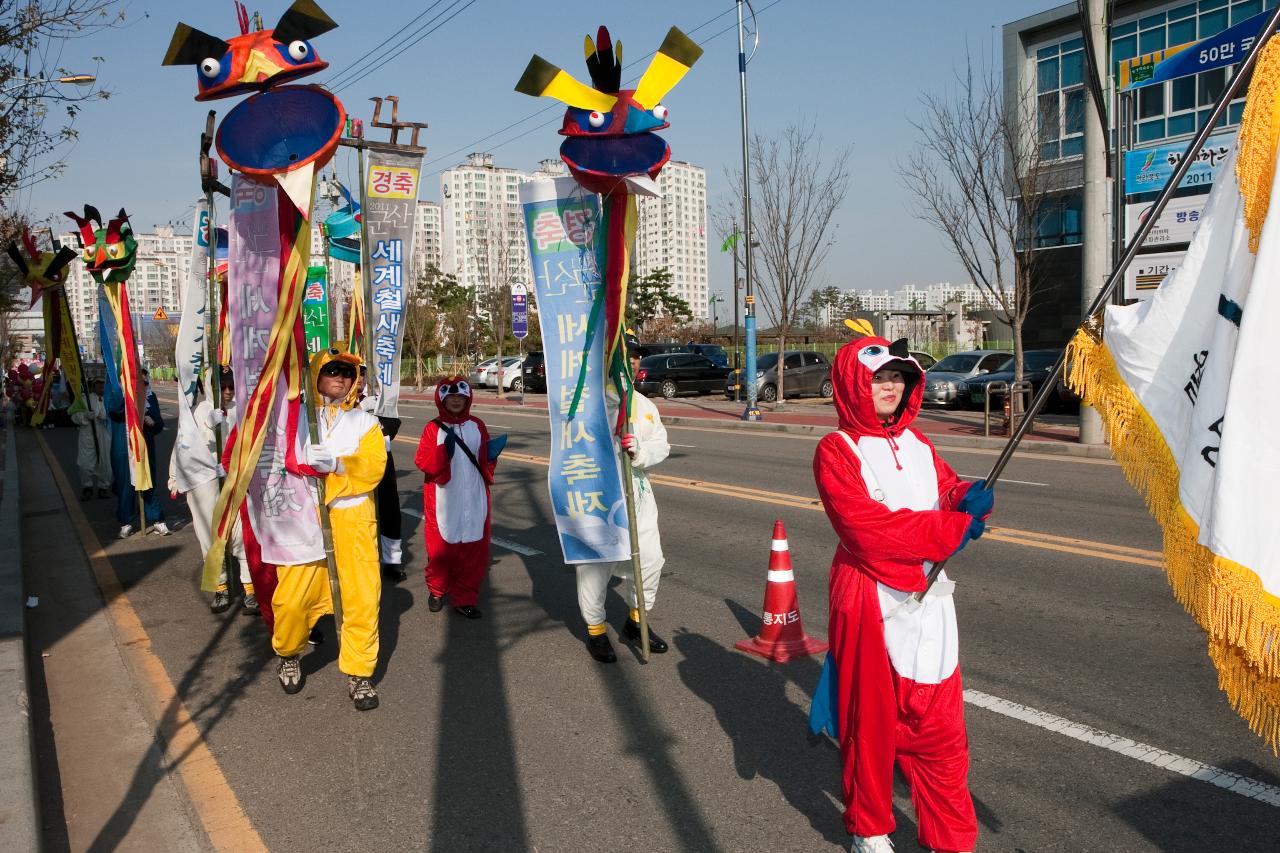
(224,822)
(1027,538)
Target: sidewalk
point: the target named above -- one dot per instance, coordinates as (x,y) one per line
(19,812)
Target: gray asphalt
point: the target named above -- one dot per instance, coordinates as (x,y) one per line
(502,734)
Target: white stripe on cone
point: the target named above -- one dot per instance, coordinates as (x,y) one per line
(776,576)
(779,545)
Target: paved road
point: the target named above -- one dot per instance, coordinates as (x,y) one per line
(503,734)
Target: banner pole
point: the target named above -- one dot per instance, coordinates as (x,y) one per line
(1104,295)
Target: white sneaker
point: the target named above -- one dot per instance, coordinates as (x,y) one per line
(160,529)
(126,530)
(871,844)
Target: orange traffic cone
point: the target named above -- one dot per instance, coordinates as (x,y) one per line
(782,637)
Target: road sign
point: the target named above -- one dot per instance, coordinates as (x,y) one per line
(519,311)
(1228,47)
(159,315)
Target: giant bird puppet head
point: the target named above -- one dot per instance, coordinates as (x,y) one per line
(110,252)
(611,130)
(42,270)
(252,61)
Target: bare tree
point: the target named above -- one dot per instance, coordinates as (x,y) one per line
(794,200)
(497,262)
(978,177)
(32,35)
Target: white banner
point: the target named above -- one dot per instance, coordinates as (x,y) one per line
(192,461)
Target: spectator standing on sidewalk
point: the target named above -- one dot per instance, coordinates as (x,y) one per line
(93,455)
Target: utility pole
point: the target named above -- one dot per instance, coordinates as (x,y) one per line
(752,412)
(737,362)
(1096,237)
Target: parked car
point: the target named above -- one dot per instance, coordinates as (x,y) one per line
(805,372)
(944,383)
(478,375)
(533,373)
(661,348)
(670,374)
(1036,364)
(923,358)
(512,379)
(714,352)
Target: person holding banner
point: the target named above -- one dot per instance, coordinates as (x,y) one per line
(351,457)
(93,455)
(891,685)
(126,496)
(457,462)
(390,542)
(194,471)
(646,444)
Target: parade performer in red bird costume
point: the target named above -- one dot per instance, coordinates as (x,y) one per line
(892,682)
(457,460)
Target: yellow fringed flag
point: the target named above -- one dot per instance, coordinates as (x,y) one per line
(1183,385)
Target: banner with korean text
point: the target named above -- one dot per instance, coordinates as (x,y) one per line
(315,310)
(584,476)
(189,465)
(388,210)
(282,505)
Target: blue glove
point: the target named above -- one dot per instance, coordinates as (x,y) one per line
(496,444)
(978,501)
(976,528)
(450,441)
(822,713)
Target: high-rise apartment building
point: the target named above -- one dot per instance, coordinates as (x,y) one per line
(671,232)
(483,240)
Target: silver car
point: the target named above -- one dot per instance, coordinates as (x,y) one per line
(944,382)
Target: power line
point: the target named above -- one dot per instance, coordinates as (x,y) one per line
(368,53)
(545,124)
(536,113)
(407,44)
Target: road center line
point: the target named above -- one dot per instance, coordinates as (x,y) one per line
(1245,787)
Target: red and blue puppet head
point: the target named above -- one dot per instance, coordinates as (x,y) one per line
(855,365)
(254,60)
(609,130)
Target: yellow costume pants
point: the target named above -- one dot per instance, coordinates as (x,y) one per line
(302,594)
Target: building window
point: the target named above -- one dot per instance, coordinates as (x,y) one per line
(1060,99)
(1059,223)
(1178,107)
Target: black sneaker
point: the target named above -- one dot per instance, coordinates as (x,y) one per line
(250,605)
(86,493)
(289,671)
(435,603)
(394,572)
(600,648)
(104,493)
(362,693)
(631,631)
(315,638)
(221,601)
(468,610)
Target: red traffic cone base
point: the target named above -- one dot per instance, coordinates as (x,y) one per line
(782,637)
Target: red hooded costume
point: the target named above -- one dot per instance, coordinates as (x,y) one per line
(890,498)
(455,498)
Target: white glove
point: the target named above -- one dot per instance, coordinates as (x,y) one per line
(146,419)
(217,417)
(222,472)
(386,441)
(319,458)
(80,419)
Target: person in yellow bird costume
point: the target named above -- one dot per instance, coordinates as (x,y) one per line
(350,455)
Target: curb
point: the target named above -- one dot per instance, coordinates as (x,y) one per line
(943,439)
(20,812)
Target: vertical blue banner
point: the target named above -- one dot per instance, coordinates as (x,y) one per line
(584,477)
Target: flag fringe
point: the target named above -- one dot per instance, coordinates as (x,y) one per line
(1224,597)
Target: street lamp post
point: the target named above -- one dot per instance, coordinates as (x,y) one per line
(752,411)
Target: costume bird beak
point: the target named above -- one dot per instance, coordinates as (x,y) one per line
(258,68)
(101,257)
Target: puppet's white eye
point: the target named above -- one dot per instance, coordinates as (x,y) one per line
(596,119)
(299,50)
(660,112)
(210,67)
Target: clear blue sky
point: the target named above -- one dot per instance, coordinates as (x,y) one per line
(854,68)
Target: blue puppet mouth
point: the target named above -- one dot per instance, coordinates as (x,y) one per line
(634,154)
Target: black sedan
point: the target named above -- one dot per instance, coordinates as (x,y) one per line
(1036,364)
(670,374)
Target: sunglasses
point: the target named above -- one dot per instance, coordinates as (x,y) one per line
(344,370)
